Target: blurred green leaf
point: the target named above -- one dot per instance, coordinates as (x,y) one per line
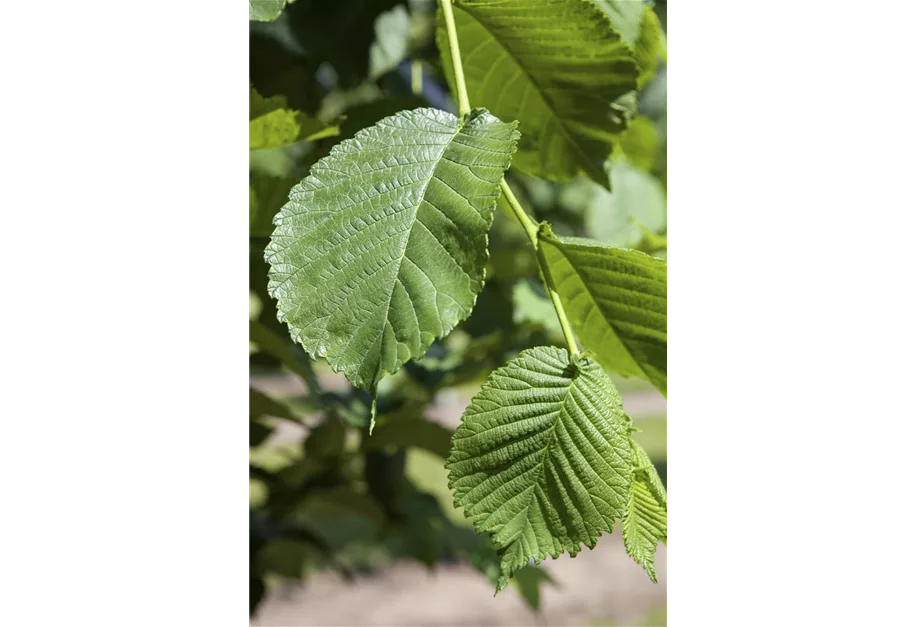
(267,194)
(259,404)
(339,33)
(265,10)
(272,124)
(528,582)
(391,46)
(640,144)
(277,68)
(279,347)
(326,441)
(346,499)
(258,432)
(411,432)
(614,217)
(534,306)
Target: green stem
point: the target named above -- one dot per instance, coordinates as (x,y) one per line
(531,228)
(464,107)
(416,77)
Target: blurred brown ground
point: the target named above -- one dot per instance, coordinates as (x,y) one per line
(602,587)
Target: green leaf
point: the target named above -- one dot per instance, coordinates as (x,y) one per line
(530,306)
(337,33)
(265,10)
(645,523)
(557,66)
(411,432)
(640,144)
(327,440)
(542,459)
(272,125)
(267,194)
(382,248)
(273,344)
(527,581)
(276,66)
(258,432)
(615,300)
(391,46)
(640,29)
(260,404)
(636,198)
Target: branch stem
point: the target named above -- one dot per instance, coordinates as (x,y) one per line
(464,106)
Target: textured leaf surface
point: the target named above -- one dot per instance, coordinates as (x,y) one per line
(542,459)
(272,124)
(616,301)
(382,248)
(640,29)
(645,523)
(265,10)
(556,66)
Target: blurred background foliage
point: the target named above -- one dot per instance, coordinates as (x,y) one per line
(324,495)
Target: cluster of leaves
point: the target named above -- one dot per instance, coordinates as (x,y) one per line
(382,242)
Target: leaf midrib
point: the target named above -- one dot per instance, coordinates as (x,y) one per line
(544,453)
(380,372)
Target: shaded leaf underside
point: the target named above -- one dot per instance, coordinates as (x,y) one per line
(640,29)
(616,302)
(556,66)
(646,521)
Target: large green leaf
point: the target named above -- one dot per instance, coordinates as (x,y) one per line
(646,521)
(542,459)
(272,124)
(265,10)
(616,302)
(557,66)
(382,248)
(640,29)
